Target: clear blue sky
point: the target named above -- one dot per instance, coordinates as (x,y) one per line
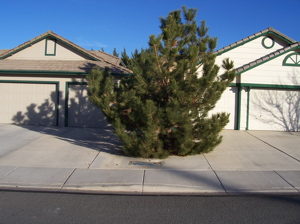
(94,24)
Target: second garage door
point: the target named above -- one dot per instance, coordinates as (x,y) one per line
(271,109)
(80,112)
(28,103)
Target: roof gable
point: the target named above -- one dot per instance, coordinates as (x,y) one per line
(51,35)
(266,32)
(48,49)
(75,60)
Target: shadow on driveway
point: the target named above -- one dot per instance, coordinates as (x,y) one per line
(98,139)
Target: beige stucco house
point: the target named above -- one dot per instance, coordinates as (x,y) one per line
(42,82)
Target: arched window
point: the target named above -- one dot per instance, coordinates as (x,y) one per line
(292,59)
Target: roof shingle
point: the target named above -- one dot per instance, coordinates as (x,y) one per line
(57,66)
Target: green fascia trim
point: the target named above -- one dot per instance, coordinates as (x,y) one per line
(280,37)
(248,108)
(251,67)
(264,45)
(269,86)
(255,37)
(264,86)
(288,64)
(30,82)
(41,82)
(45,72)
(41,72)
(77,83)
(122,74)
(46,47)
(67,86)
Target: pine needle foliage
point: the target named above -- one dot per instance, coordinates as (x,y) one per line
(163,108)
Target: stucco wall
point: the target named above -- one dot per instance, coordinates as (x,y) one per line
(37,52)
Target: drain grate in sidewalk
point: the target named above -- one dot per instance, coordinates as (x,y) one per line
(145,164)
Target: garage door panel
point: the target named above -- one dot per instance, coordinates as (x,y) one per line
(28,103)
(227,103)
(274,110)
(81,112)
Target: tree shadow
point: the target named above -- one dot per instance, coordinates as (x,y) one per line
(39,115)
(81,112)
(87,127)
(280,107)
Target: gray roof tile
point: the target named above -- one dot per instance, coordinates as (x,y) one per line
(54,65)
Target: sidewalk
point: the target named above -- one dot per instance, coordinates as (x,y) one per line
(149,181)
(245,162)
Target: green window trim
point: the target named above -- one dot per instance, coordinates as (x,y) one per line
(67,86)
(41,82)
(264,44)
(294,57)
(46,47)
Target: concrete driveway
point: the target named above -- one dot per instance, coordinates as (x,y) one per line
(90,160)
(31,146)
(99,149)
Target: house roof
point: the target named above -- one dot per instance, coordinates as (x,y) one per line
(108,57)
(268,31)
(3,51)
(99,58)
(267,57)
(52,66)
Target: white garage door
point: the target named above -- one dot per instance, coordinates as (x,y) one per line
(28,103)
(81,112)
(274,110)
(227,103)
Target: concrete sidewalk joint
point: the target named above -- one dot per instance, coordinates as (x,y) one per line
(278,149)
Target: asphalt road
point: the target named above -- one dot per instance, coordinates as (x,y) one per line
(32,207)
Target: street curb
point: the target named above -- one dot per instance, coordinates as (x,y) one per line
(99,192)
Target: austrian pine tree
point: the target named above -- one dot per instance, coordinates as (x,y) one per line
(115,53)
(163,108)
